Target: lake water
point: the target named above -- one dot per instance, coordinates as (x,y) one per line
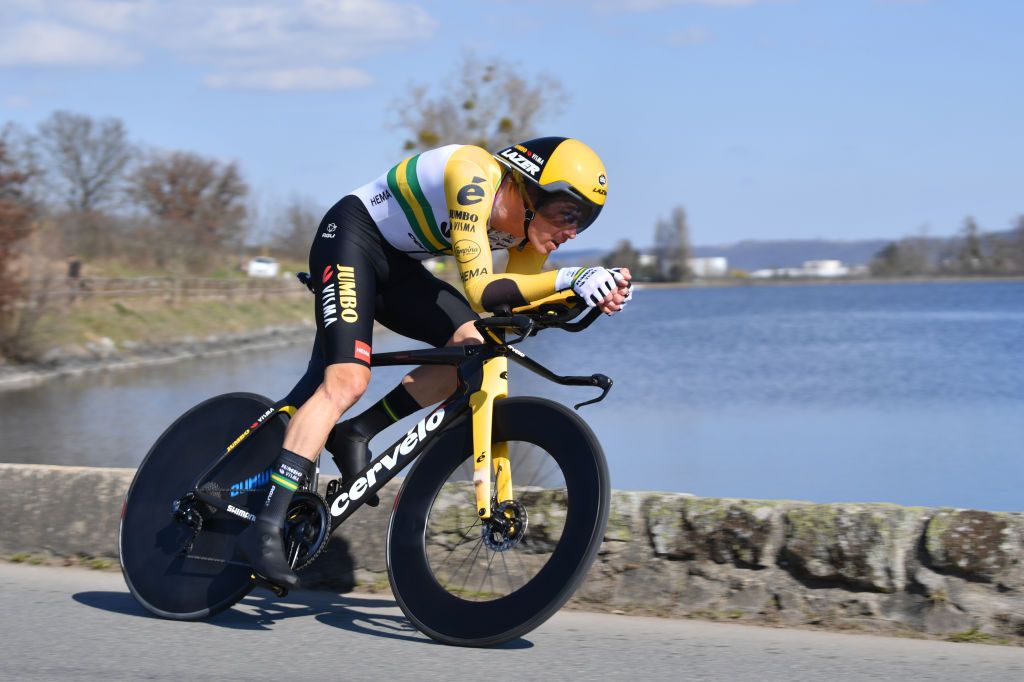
(906,393)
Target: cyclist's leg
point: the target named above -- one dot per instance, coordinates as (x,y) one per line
(313,377)
(345,278)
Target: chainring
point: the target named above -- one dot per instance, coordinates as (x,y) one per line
(307,528)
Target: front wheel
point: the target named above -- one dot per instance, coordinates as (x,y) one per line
(465,581)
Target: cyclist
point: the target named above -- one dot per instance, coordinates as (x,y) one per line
(529,198)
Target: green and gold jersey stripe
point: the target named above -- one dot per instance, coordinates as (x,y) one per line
(405,186)
(284,482)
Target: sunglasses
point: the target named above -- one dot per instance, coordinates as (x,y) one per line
(566,211)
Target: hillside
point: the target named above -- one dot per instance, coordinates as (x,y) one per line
(755,254)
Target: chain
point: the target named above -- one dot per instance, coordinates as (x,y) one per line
(215,560)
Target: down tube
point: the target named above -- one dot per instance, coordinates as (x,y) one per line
(395,458)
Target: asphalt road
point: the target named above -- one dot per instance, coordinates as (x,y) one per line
(76,624)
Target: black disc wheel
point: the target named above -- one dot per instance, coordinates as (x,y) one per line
(170,568)
(467,581)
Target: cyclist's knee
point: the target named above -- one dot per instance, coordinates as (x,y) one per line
(467,333)
(344,384)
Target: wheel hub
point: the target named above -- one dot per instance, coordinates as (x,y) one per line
(507,526)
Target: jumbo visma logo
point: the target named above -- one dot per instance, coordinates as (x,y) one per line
(338,298)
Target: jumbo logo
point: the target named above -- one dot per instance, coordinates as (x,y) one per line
(347,293)
(239,440)
(367,481)
(465,251)
(463,215)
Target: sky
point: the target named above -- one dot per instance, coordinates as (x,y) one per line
(765,119)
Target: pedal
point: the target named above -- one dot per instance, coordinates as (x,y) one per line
(260,581)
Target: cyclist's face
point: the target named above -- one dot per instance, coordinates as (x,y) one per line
(548,233)
(556,222)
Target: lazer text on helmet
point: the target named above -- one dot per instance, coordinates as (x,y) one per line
(521,161)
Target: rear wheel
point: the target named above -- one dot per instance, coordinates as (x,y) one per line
(465,581)
(170,569)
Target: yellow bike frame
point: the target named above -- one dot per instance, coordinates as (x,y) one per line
(485,458)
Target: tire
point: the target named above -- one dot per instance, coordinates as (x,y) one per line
(434,525)
(165,580)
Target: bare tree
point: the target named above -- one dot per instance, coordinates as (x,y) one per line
(970,259)
(624,256)
(87,158)
(16,213)
(485,102)
(197,205)
(1015,247)
(672,246)
(295,228)
(904,258)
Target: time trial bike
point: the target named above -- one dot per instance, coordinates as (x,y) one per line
(473,559)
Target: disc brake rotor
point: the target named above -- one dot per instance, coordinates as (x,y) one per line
(506,527)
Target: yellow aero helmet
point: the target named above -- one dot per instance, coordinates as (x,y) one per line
(557,169)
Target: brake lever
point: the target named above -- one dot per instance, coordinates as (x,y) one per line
(525,323)
(600,381)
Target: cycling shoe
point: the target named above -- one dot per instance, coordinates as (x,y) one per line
(263,545)
(351,452)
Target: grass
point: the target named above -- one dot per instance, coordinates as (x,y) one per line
(974,636)
(157,322)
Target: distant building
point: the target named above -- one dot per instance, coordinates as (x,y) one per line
(717,266)
(647,260)
(825,268)
(811,268)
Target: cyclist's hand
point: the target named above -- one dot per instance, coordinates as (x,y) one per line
(625,288)
(596,286)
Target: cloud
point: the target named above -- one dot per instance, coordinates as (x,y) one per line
(16,102)
(44,43)
(655,5)
(298,34)
(309,78)
(295,44)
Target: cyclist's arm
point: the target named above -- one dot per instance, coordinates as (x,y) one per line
(469,192)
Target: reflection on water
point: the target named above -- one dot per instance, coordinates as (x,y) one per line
(902,393)
(111,418)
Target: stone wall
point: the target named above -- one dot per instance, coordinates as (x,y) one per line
(866,566)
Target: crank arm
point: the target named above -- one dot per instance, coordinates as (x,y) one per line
(223,505)
(260,581)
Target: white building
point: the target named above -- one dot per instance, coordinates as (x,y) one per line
(825,268)
(811,268)
(716,266)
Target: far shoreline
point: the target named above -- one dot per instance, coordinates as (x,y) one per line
(729,282)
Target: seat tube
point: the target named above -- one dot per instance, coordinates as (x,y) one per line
(493,386)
